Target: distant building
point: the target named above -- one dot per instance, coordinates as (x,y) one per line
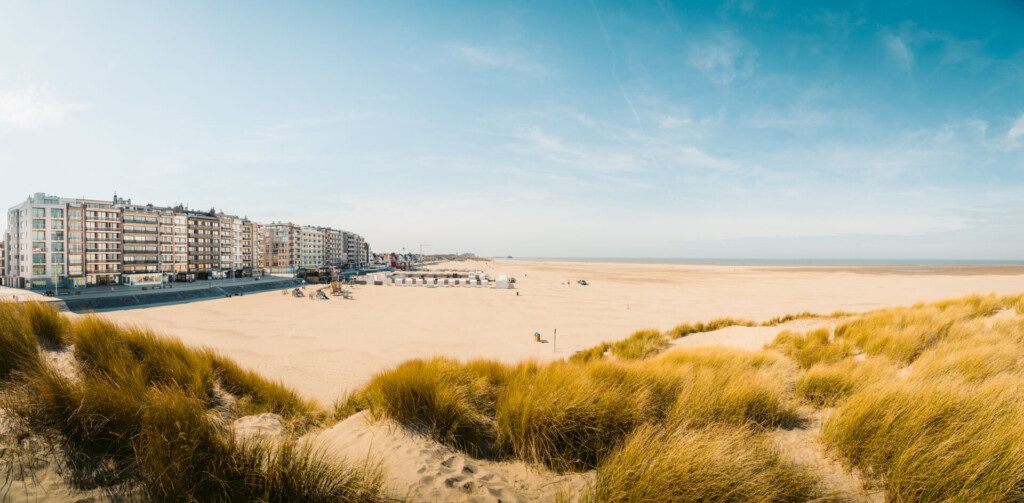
(53,242)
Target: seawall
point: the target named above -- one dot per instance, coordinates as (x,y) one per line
(136,299)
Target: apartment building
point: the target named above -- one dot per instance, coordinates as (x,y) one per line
(230,244)
(53,242)
(334,247)
(355,252)
(140,227)
(102,243)
(252,245)
(311,247)
(281,247)
(204,252)
(35,243)
(173,242)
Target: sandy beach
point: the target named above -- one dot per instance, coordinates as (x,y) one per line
(324,349)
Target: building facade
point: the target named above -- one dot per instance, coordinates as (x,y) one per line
(55,242)
(204,253)
(281,247)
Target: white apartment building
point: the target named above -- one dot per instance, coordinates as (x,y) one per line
(311,248)
(37,243)
(231,244)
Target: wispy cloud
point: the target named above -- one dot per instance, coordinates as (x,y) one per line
(897,50)
(29,108)
(723,58)
(1016,132)
(615,66)
(497,58)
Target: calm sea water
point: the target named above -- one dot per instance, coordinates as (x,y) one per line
(757,261)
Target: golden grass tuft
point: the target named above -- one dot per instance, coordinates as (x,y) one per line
(48,324)
(19,350)
(936,440)
(569,416)
(904,333)
(722,464)
(685,329)
(144,420)
(825,384)
(949,430)
(640,345)
(812,347)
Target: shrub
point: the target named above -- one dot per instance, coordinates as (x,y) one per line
(725,463)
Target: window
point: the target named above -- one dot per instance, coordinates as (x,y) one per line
(56,258)
(39,270)
(74,214)
(38,235)
(39,246)
(57,269)
(38,258)
(38,212)
(39,223)
(57,247)
(56,213)
(75,225)
(57,236)
(56,224)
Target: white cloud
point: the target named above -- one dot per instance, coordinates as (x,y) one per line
(724,58)
(504,59)
(898,50)
(33,108)
(1016,132)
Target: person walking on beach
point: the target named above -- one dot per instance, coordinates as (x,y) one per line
(536,336)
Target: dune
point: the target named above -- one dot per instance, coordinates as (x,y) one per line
(327,348)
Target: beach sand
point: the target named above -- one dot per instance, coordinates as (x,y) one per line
(326,348)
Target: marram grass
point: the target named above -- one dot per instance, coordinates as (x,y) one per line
(719,464)
(927,406)
(570,416)
(145,419)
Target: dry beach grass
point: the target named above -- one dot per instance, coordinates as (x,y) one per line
(919,403)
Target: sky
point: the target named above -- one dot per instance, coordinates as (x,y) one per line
(740,129)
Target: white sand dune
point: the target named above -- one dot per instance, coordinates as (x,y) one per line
(325,348)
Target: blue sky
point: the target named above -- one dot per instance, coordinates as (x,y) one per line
(633,129)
